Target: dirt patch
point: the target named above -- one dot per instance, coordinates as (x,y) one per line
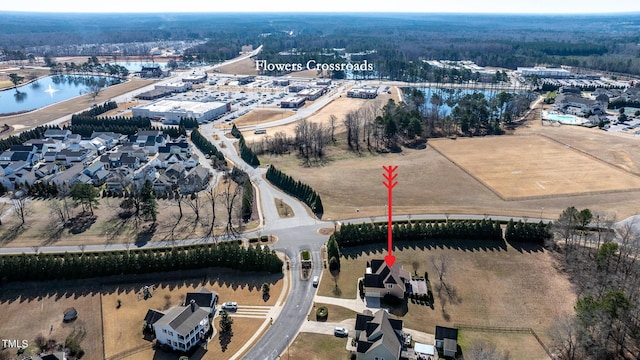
(338,107)
(326,231)
(525,167)
(256,117)
(242,67)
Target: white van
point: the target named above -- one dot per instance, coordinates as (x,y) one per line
(315,281)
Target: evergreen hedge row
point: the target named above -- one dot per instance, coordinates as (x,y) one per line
(299,190)
(245,152)
(373,233)
(100,109)
(535,233)
(485,229)
(85,125)
(61,266)
(205,145)
(35,133)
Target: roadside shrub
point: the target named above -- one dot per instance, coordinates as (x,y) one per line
(334,264)
(306,255)
(322,313)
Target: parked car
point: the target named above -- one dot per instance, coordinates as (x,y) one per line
(229,306)
(340,332)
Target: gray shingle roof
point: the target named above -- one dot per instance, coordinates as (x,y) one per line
(182,319)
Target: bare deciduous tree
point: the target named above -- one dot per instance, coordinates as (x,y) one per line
(229,196)
(21,208)
(212,197)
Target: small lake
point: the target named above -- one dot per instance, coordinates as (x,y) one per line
(50,90)
(449,97)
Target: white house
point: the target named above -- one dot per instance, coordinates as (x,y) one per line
(182,327)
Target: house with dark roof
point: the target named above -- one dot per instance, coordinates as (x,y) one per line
(57,134)
(381,280)
(378,336)
(447,341)
(204,298)
(183,327)
(58,355)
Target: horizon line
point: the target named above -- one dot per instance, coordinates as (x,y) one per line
(194,12)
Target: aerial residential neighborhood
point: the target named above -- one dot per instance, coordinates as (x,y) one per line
(416,182)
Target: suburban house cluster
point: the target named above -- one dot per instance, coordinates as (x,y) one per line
(377,336)
(183,327)
(64,159)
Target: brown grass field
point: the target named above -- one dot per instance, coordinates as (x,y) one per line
(309,346)
(242,67)
(495,284)
(110,228)
(30,310)
(525,167)
(122,334)
(518,346)
(350,184)
(27,73)
(336,313)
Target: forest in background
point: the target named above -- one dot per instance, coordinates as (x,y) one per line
(606,42)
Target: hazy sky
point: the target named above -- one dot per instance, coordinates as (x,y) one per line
(465,6)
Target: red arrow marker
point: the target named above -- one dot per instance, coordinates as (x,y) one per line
(390,184)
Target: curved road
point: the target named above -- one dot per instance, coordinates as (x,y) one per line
(295,234)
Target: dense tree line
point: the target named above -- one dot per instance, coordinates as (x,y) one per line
(86,125)
(299,190)
(100,109)
(376,233)
(208,148)
(602,263)
(35,133)
(246,153)
(188,123)
(57,266)
(537,233)
(172,131)
(92,65)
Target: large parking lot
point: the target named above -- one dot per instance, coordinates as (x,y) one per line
(260,94)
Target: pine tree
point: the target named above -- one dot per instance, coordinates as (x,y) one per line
(149,203)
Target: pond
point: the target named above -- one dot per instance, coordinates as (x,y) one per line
(448,97)
(50,90)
